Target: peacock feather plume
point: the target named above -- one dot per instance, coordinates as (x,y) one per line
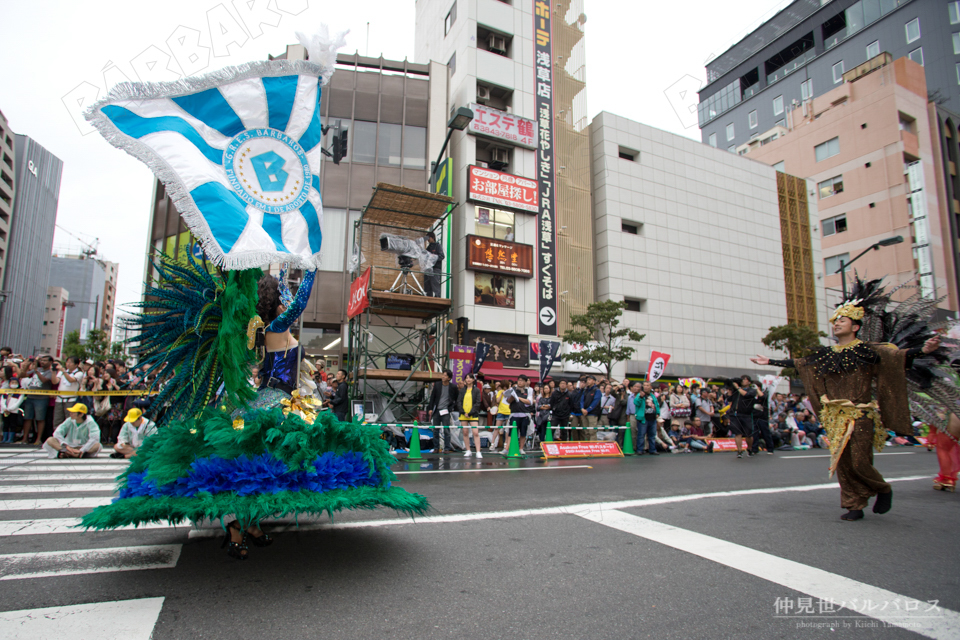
(189,332)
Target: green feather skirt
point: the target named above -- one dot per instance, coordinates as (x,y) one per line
(267,465)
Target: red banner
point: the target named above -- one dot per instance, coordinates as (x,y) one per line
(506,126)
(725,444)
(503,189)
(581,450)
(658,364)
(359,299)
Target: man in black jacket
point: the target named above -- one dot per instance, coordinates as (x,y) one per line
(340,402)
(560,408)
(431,277)
(741,413)
(439,409)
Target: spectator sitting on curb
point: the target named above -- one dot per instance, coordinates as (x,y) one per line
(77,437)
(692,436)
(135,430)
(664,441)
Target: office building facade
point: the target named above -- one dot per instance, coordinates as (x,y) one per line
(804,51)
(27,272)
(92,286)
(8,188)
(54,321)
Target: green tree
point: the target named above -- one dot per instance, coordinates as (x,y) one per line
(599,325)
(96,347)
(795,340)
(73,347)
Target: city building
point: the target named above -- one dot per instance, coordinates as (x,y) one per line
(92,286)
(387,109)
(520,171)
(870,146)
(54,321)
(692,238)
(8,190)
(946,157)
(804,51)
(27,272)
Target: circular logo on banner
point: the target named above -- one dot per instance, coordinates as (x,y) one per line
(548,316)
(656,369)
(267,169)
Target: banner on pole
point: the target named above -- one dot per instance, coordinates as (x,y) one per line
(359,299)
(548,353)
(658,364)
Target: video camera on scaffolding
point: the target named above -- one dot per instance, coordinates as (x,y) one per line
(408,251)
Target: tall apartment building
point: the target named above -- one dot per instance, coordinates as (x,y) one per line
(520,172)
(92,286)
(804,51)
(867,145)
(54,321)
(8,190)
(27,272)
(692,238)
(388,109)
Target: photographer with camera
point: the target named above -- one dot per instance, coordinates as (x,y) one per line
(68,378)
(742,399)
(431,277)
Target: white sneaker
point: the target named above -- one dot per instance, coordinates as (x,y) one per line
(479,455)
(467,453)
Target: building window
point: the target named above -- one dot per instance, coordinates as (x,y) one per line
(637,306)
(633,228)
(827,149)
(958,73)
(913,30)
(753,119)
(831,187)
(450,19)
(838,72)
(778,105)
(917,55)
(833,226)
(954,9)
(414,147)
(712,140)
(494,290)
(364,141)
(782,123)
(956,43)
(495,223)
(873,49)
(832,264)
(628,154)
(452,64)
(806,89)
(779,167)
(730,132)
(732,148)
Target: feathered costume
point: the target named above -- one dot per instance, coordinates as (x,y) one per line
(250,454)
(224,448)
(872,385)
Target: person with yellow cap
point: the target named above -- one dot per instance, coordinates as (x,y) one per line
(77,437)
(135,430)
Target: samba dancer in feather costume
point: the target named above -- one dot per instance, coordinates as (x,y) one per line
(897,352)
(239,151)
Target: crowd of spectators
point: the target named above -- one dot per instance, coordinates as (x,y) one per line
(661,417)
(31,418)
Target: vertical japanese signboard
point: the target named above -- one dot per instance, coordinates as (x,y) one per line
(546,227)
(444,186)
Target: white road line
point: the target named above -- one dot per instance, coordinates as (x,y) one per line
(119,620)
(427,471)
(67,525)
(95,468)
(57,488)
(20,566)
(814,582)
(32,477)
(53,503)
(827,455)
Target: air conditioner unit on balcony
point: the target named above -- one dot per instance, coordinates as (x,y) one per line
(483,94)
(499,157)
(482,164)
(497,44)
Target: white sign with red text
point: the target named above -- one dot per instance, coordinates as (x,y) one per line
(505,126)
(503,189)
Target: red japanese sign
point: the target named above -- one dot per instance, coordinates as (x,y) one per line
(359,300)
(505,126)
(503,189)
(581,450)
(499,256)
(723,444)
(658,363)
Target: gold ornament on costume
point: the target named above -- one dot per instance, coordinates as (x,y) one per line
(255,324)
(305,408)
(238,424)
(848,310)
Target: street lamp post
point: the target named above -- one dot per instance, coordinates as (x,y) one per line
(460,120)
(874,247)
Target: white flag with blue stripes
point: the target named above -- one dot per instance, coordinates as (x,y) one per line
(238,151)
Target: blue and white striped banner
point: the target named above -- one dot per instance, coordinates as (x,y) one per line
(238,151)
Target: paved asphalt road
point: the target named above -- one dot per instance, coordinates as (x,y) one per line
(681,546)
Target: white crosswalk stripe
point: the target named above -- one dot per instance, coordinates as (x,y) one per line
(52,503)
(120,620)
(20,566)
(86,465)
(38,477)
(57,488)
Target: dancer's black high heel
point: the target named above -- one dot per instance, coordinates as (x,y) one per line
(262,540)
(236,550)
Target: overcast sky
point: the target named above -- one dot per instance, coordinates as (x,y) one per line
(636,51)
